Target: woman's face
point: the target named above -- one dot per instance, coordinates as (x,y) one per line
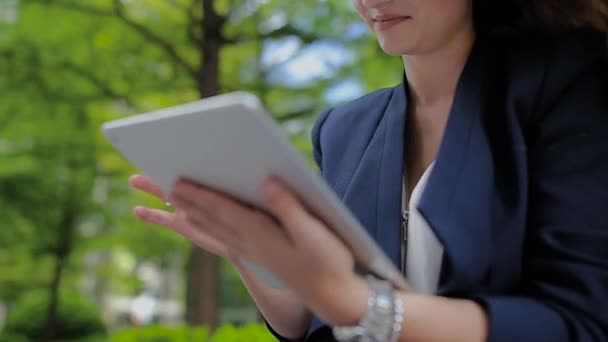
(411,27)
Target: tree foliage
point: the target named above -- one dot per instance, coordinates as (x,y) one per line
(69,65)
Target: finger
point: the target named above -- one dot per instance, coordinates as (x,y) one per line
(154,216)
(191,212)
(196,236)
(145,184)
(207,242)
(203,221)
(220,207)
(281,203)
(243,230)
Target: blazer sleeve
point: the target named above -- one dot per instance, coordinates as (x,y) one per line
(564,293)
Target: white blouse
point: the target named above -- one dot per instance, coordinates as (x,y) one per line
(424,251)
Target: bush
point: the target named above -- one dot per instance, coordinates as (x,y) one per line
(156,333)
(77,319)
(13,338)
(227,333)
(249,333)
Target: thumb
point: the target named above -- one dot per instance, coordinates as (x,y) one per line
(285,207)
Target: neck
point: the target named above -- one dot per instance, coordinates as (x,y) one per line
(432,77)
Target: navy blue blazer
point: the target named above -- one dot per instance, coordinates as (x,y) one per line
(519,191)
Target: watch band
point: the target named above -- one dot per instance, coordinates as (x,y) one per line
(382,320)
(397,320)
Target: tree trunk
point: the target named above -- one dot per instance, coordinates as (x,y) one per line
(62,253)
(202,288)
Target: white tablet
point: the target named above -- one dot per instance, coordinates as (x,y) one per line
(229,143)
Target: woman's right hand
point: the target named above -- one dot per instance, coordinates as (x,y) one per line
(175,221)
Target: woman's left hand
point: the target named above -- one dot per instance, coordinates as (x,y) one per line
(292,244)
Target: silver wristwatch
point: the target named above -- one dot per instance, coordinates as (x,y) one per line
(383,320)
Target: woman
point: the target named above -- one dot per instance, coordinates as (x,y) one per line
(502,118)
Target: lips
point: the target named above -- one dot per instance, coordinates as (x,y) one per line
(387,21)
(389,17)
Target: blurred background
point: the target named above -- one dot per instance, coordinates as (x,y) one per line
(75,265)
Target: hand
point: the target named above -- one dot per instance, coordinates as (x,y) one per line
(292,244)
(175,221)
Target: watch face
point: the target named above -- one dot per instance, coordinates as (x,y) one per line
(384,302)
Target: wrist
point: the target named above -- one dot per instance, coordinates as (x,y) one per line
(347,304)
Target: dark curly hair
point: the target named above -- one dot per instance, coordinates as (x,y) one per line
(545,15)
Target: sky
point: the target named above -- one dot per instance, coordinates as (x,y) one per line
(295,66)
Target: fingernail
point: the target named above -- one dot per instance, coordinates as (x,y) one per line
(271,188)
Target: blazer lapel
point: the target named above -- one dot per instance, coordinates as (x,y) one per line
(374,192)
(457,201)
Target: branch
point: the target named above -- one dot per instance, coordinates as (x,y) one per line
(269,69)
(193,24)
(84,73)
(152,37)
(118,11)
(289,30)
(33,74)
(232,7)
(213,22)
(296,114)
(60,96)
(75,6)
(285,31)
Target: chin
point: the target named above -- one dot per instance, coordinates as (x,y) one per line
(400,44)
(393,51)
(397,49)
